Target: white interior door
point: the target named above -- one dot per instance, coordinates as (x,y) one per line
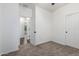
(72,30)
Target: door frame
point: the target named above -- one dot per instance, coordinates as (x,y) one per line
(70,14)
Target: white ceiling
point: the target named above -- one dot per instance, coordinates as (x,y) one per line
(50,7)
(46,6)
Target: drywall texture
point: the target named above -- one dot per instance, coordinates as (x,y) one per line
(10,27)
(43,25)
(58,22)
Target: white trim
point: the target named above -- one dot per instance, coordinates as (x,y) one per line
(38,43)
(9,51)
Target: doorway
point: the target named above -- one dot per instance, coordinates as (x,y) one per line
(25,30)
(72,30)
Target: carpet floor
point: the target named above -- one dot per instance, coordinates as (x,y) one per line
(46,49)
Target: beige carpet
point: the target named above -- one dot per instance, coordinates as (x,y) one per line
(46,49)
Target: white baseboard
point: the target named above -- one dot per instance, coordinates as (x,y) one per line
(38,43)
(62,43)
(9,51)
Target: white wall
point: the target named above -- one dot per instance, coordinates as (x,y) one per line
(0,28)
(32,25)
(21,27)
(25,11)
(53,29)
(58,21)
(43,25)
(10,27)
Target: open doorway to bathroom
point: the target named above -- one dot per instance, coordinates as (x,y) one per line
(27,17)
(25,30)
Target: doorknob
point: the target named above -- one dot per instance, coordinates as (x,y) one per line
(66,32)
(34,31)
